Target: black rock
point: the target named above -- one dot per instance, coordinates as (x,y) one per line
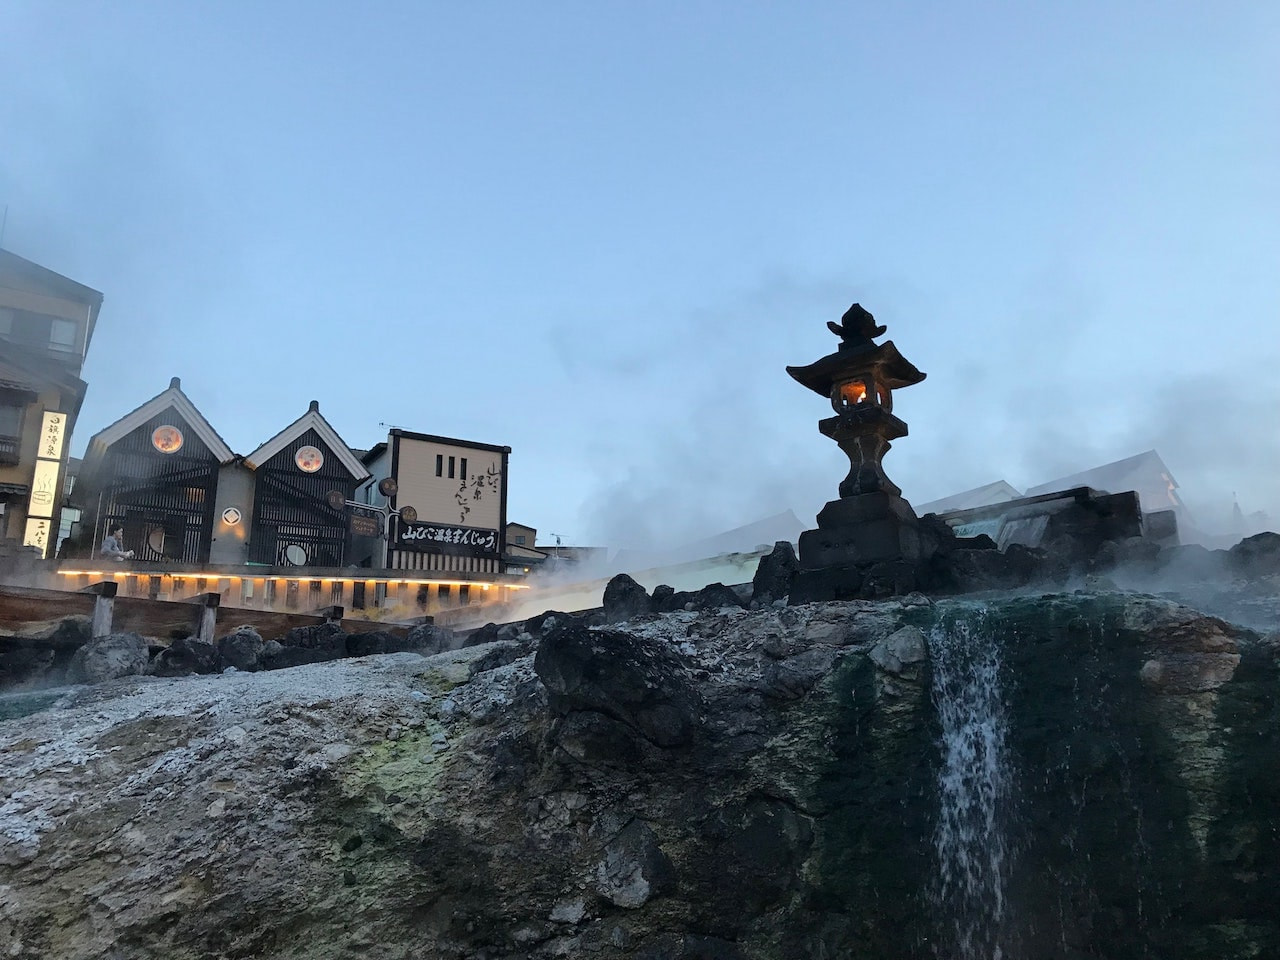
(714,596)
(1256,556)
(624,599)
(486,634)
(184,657)
(637,682)
(775,574)
(428,639)
(242,649)
(662,595)
(372,643)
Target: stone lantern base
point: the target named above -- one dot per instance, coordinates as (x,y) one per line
(865,546)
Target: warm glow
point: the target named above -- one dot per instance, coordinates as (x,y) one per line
(483,585)
(853,393)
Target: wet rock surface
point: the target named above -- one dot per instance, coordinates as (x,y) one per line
(723,783)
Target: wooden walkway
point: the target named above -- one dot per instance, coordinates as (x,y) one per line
(200,616)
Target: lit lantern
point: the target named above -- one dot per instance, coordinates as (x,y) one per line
(860,378)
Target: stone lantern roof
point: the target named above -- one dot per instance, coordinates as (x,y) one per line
(858,354)
(883,361)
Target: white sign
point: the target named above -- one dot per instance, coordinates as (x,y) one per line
(44,489)
(231,516)
(53,432)
(38,533)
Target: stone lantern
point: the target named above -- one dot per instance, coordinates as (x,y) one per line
(868,542)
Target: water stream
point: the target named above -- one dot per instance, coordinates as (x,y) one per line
(975,787)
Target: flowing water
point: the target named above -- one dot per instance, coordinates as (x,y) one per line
(975,787)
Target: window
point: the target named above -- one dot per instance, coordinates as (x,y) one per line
(451,468)
(439,464)
(10,419)
(520,539)
(62,335)
(463,470)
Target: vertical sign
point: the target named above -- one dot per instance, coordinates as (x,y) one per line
(45,495)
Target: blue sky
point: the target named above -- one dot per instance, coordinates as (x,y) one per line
(597,232)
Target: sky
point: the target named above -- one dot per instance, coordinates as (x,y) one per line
(598,232)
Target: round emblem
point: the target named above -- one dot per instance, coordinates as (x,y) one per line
(295,555)
(308,459)
(166,439)
(231,516)
(408,514)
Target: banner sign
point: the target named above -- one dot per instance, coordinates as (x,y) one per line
(441,538)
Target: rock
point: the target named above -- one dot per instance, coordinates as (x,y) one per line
(901,649)
(1256,556)
(242,649)
(428,639)
(486,634)
(492,802)
(636,682)
(323,641)
(633,868)
(39,654)
(625,599)
(775,574)
(184,657)
(662,595)
(372,643)
(108,658)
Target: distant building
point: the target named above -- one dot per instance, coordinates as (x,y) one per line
(1145,474)
(46,325)
(984,496)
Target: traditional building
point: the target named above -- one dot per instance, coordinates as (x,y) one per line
(458,492)
(46,324)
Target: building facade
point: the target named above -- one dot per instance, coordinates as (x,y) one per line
(458,491)
(46,325)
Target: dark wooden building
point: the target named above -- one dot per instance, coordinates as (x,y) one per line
(155,471)
(295,471)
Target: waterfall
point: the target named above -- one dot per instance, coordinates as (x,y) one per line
(974,788)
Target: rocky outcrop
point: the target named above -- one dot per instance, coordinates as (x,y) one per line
(109,658)
(731,784)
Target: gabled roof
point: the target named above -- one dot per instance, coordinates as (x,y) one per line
(996,492)
(1114,477)
(311,420)
(173,398)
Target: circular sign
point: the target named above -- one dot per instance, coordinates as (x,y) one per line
(388,486)
(295,555)
(166,439)
(309,459)
(336,499)
(408,515)
(231,516)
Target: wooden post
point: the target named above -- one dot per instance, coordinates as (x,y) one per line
(207,618)
(102,606)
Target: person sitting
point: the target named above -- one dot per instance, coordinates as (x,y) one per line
(113,545)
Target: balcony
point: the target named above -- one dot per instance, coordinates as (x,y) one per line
(9,447)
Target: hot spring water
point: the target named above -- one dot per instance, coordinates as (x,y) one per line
(975,786)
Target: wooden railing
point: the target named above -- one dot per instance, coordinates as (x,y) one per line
(9,447)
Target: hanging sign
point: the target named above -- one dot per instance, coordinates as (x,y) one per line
(441,538)
(365,523)
(52,435)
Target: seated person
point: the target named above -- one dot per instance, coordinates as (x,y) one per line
(113,545)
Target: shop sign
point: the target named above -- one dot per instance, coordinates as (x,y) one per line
(365,523)
(442,538)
